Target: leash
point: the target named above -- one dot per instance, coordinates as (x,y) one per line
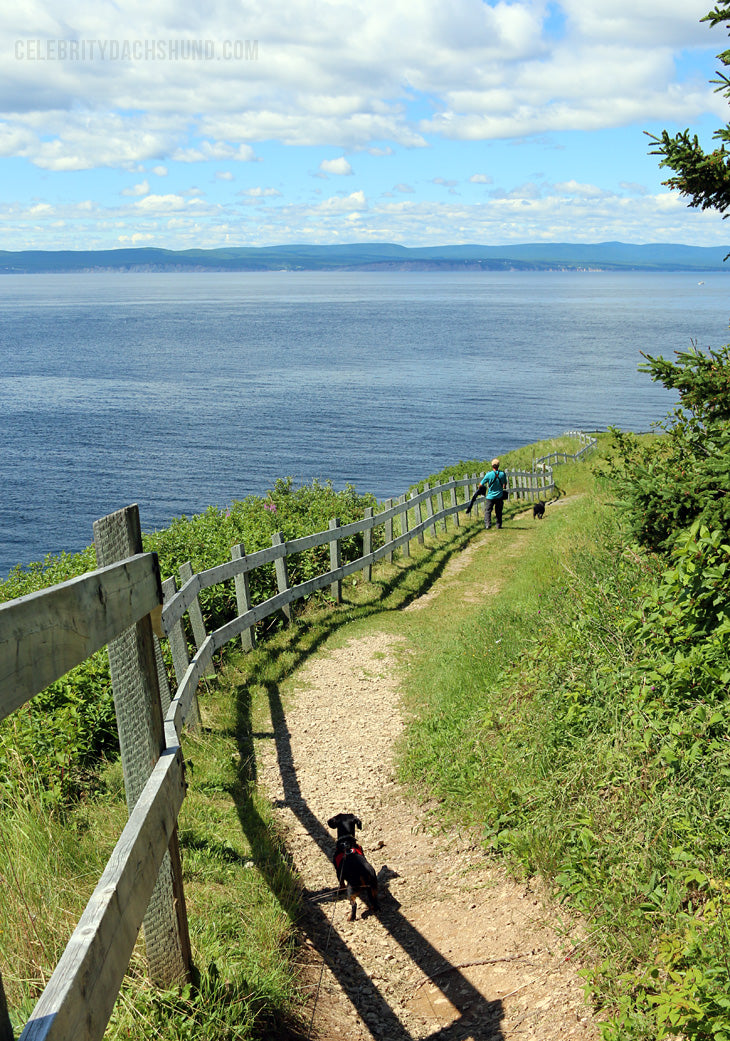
(327,943)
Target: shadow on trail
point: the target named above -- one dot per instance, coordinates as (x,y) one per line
(477,1017)
(306,637)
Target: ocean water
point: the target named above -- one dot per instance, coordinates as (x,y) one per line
(177,391)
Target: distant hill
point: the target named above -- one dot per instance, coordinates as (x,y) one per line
(384,256)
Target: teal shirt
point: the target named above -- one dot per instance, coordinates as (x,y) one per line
(496,482)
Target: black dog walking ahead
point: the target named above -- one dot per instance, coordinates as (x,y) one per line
(353,870)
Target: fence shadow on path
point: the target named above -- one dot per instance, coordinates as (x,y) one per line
(477,1017)
(303,645)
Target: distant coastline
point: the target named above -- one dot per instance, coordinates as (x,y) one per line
(579,257)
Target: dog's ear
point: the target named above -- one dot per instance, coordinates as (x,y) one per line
(357,822)
(334,821)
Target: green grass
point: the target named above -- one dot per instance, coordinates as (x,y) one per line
(586,757)
(241,891)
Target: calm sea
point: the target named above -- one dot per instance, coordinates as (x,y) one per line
(176,391)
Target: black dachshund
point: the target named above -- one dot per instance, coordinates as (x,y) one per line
(353,870)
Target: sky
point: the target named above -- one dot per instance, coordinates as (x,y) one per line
(215,123)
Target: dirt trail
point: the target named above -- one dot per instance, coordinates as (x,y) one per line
(459,951)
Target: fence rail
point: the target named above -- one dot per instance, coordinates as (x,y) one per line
(125,605)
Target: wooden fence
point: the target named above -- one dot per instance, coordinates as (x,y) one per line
(587,440)
(125,605)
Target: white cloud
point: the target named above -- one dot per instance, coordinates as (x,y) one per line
(336,166)
(560,211)
(587,191)
(260,193)
(671,23)
(138,189)
(137,239)
(633,188)
(670,201)
(76,141)
(370,79)
(340,204)
(161,203)
(340,75)
(214,150)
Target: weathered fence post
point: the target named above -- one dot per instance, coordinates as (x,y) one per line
(404,526)
(176,635)
(179,651)
(419,518)
(429,510)
(195,614)
(454,502)
(440,504)
(162,680)
(367,545)
(416,517)
(136,693)
(335,562)
(282,572)
(389,531)
(243,598)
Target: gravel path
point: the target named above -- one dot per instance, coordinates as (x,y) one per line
(459,951)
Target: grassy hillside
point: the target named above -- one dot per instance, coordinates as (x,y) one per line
(62,803)
(587,704)
(580,760)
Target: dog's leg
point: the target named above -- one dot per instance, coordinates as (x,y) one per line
(353,903)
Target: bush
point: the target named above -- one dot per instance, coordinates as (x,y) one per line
(65,731)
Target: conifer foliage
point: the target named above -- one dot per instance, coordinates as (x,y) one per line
(703,177)
(668,483)
(685,476)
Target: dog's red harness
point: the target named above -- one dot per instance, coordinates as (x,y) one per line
(340,855)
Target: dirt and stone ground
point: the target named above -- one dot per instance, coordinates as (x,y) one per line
(459,950)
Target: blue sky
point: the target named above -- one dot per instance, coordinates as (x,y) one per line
(146,123)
